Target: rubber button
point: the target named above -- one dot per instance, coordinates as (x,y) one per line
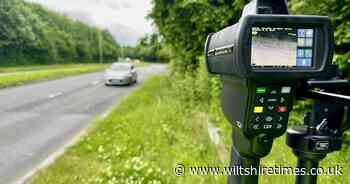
(261,90)
(258,109)
(282,109)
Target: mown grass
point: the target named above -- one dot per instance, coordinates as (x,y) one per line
(155,129)
(11,69)
(14,76)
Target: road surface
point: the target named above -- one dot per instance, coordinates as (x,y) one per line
(37,120)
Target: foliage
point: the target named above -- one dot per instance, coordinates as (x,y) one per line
(143,144)
(31,34)
(339,11)
(150,48)
(184,24)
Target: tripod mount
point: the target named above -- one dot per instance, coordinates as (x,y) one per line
(323,127)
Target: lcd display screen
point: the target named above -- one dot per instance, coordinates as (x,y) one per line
(282,47)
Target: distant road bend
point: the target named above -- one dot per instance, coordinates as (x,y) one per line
(38,119)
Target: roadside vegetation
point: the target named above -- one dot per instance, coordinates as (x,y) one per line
(14,76)
(39,44)
(168,127)
(186,24)
(165,122)
(151,48)
(32,68)
(30,34)
(140,145)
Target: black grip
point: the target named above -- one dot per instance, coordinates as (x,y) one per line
(237,161)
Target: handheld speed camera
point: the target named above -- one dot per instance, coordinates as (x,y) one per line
(265,61)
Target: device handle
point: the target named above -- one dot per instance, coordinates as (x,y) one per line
(239,163)
(307,165)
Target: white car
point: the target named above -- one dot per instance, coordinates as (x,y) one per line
(121,74)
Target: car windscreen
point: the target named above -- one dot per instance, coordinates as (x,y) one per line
(120,68)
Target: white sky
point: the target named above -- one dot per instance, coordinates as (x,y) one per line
(129,15)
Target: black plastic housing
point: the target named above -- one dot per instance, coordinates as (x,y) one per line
(228,52)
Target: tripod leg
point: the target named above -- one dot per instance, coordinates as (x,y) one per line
(307,165)
(239,163)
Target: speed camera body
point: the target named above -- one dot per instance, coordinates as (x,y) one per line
(286,46)
(261,60)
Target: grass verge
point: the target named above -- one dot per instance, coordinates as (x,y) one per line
(31,68)
(139,145)
(14,76)
(144,144)
(281,155)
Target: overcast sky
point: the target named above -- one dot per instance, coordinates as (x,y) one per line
(124,18)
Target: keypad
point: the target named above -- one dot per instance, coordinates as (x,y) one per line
(271,108)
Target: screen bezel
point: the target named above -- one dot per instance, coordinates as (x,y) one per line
(296,48)
(323,44)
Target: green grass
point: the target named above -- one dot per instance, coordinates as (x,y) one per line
(11,69)
(14,76)
(155,129)
(281,155)
(141,140)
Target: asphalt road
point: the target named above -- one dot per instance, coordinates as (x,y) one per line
(37,120)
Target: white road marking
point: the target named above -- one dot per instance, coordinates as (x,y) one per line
(53,95)
(29,154)
(52,158)
(105,114)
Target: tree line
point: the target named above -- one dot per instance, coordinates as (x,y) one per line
(150,48)
(184,24)
(32,34)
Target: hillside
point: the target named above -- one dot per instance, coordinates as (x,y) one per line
(32,34)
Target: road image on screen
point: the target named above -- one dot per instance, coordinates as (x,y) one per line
(281,47)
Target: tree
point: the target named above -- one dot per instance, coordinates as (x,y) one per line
(185,24)
(339,11)
(30,33)
(150,48)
